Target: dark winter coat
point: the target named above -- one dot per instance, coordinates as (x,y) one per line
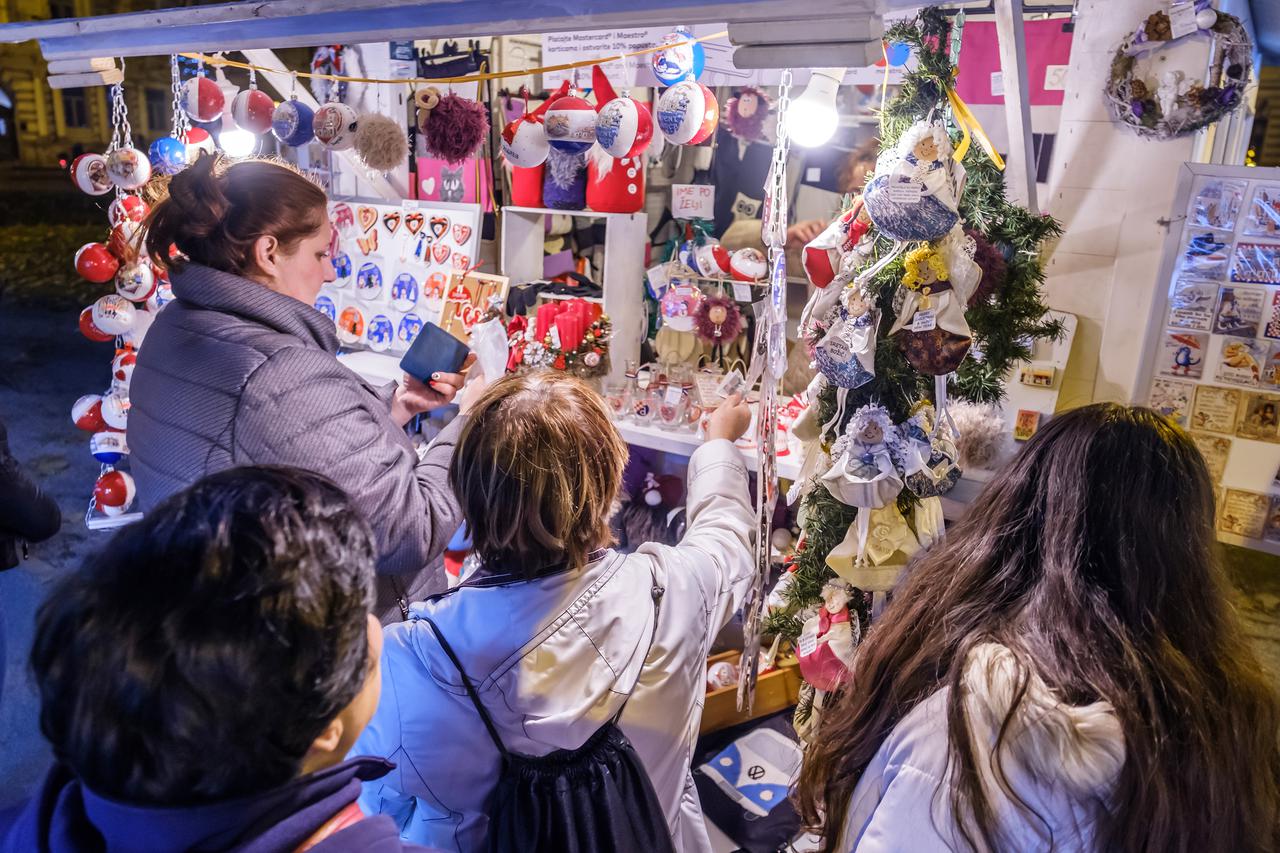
(27,514)
(235,374)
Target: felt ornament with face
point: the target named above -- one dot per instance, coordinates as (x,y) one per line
(717,319)
(826,646)
(846,353)
(913,195)
(864,471)
(745,115)
(931,329)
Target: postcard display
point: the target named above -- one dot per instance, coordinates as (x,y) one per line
(396,267)
(1215,368)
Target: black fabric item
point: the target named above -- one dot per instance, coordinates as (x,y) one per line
(27,514)
(597,797)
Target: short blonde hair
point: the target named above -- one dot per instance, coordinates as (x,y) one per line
(537,470)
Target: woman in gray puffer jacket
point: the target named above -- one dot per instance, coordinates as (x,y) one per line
(240,369)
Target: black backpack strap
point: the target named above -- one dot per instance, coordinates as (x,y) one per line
(466,682)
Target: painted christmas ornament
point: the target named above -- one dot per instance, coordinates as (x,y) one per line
(335,126)
(687,113)
(681,58)
(381,333)
(202,100)
(251,110)
(410,326)
(198,142)
(748,264)
(291,123)
(128,208)
(95,263)
(91,331)
(142,320)
(114,493)
(136,282)
(115,411)
(325,306)
(624,126)
(524,141)
(128,168)
(351,325)
(168,155)
(89,174)
(404,292)
(160,297)
(712,260)
(86,413)
(571,124)
(113,314)
(108,447)
(125,240)
(122,367)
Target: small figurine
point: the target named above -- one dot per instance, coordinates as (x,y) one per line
(826,645)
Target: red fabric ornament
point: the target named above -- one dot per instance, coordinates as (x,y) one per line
(455,128)
(717,319)
(993,265)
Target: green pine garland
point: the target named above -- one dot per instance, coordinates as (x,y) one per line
(1003,326)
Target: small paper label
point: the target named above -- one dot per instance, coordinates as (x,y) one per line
(731,384)
(1055,78)
(908,192)
(741,291)
(657,278)
(837,349)
(555,337)
(812,175)
(997,83)
(808,643)
(925,321)
(672,396)
(1182,19)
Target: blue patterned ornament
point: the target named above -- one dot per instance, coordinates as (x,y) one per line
(326,307)
(678,61)
(404,292)
(380,333)
(410,326)
(168,155)
(292,123)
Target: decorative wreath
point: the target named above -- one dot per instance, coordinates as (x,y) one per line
(1175,105)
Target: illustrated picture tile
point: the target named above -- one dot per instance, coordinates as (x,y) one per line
(1215,409)
(1272,327)
(1239,311)
(1026,425)
(1206,253)
(1182,354)
(1271,530)
(1244,513)
(1240,361)
(1172,399)
(1261,418)
(1217,203)
(1215,449)
(1262,217)
(1257,262)
(1271,367)
(1191,304)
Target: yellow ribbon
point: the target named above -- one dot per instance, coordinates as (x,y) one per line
(969,126)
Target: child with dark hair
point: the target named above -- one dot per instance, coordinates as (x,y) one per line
(203,676)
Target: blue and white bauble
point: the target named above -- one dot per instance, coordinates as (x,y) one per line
(410,326)
(571,124)
(624,128)
(108,447)
(326,307)
(678,60)
(168,155)
(292,123)
(369,282)
(404,292)
(341,269)
(380,333)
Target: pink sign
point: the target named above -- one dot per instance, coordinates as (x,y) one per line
(1048,55)
(440,181)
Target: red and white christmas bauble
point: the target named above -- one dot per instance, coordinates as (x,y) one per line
(128,168)
(687,113)
(86,413)
(113,314)
(624,127)
(91,331)
(125,242)
(335,126)
(712,260)
(571,124)
(251,110)
(122,366)
(127,208)
(748,264)
(202,100)
(89,174)
(108,447)
(115,411)
(94,262)
(114,493)
(136,282)
(524,143)
(198,141)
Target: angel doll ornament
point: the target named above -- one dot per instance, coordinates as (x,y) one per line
(864,472)
(939,280)
(917,184)
(826,646)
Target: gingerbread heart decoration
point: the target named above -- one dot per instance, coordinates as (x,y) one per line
(367,216)
(439,226)
(391,221)
(440,252)
(414,222)
(461,234)
(461,261)
(469,316)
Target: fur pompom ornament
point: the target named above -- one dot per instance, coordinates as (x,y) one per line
(381,142)
(993,265)
(717,319)
(453,127)
(745,114)
(980,433)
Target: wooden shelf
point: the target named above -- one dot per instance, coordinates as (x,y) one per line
(548,211)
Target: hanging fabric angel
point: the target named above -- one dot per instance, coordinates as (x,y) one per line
(914,193)
(939,280)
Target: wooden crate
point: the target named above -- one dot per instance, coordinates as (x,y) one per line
(775,690)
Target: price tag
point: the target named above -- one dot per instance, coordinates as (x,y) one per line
(1182,19)
(657,279)
(672,396)
(731,384)
(908,192)
(997,84)
(837,349)
(808,643)
(555,336)
(925,321)
(741,291)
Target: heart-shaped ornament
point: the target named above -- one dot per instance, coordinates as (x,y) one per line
(391,221)
(428,187)
(414,222)
(461,234)
(440,253)
(461,261)
(439,226)
(367,216)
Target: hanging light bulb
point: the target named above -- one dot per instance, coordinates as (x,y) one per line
(812,117)
(233,141)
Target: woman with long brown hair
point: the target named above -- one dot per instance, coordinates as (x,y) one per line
(1063,672)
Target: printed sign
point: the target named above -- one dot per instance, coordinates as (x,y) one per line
(693,201)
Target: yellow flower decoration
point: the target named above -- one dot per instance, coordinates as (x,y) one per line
(919,258)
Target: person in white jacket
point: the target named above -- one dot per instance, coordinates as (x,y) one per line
(556,654)
(1063,672)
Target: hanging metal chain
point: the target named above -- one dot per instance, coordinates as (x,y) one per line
(121,133)
(181,123)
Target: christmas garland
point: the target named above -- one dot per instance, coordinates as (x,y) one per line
(1175,105)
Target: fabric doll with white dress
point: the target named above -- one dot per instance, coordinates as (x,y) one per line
(863,473)
(939,281)
(914,193)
